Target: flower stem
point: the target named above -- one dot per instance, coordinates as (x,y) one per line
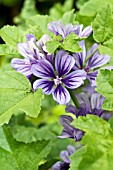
(73,97)
(91,54)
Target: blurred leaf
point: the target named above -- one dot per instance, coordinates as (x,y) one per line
(22,156)
(15,95)
(68,17)
(39,20)
(91,7)
(58,9)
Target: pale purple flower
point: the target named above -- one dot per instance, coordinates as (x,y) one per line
(64,155)
(58,28)
(89,104)
(32,51)
(90,61)
(55,81)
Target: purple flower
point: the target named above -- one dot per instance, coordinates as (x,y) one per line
(32,51)
(88,105)
(64,155)
(54,82)
(58,28)
(90,61)
(69,131)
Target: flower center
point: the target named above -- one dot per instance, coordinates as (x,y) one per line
(57,81)
(87,69)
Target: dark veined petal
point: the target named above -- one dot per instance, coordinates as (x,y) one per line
(22,65)
(81,56)
(98,60)
(74,79)
(92,77)
(43,69)
(63,63)
(46,85)
(92,49)
(61,94)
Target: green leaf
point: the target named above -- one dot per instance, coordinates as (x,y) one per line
(15,95)
(11,35)
(68,17)
(76,158)
(40,20)
(104,84)
(36,31)
(91,7)
(98,141)
(70,43)
(52,46)
(7,50)
(103,25)
(58,9)
(22,156)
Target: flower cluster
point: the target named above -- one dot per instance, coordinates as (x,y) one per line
(90,103)
(62,71)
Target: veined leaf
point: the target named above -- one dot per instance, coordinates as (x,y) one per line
(21,155)
(15,95)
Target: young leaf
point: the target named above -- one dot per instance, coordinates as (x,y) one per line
(103,25)
(21,155)
(15,95)
(98,141)
(52,46)
(70,43)
(104,83)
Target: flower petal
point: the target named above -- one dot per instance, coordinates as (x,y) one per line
(97,101)
(81,56)
(64,156)
(74,79)
(23,49)
(87,31)
(22,65)
(97,60)
(63,63)
(46,85)
(61,95)
(92,77)
(43,69)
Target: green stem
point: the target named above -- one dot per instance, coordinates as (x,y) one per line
(73,97)
(91,54)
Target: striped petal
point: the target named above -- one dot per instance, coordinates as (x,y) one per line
(46,85)
(61,95)
(43,69)
(63,63)
(74,79)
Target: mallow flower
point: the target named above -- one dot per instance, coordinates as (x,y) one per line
(57,81)
(64,155)
(32,51)
(90,61)
(89,104)
(58,28)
